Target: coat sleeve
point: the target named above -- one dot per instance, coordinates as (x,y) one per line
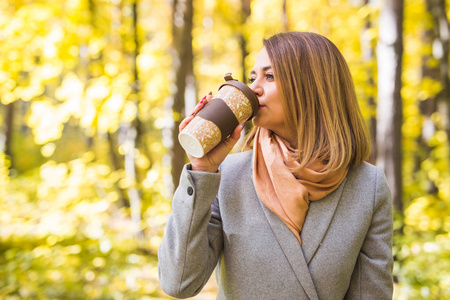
(372,276)
(192,242)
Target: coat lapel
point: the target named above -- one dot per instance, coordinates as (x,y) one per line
(292,250)
(318,219)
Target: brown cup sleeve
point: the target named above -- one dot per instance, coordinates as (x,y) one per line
(218,112)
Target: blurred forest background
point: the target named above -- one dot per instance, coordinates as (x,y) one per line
(92,92)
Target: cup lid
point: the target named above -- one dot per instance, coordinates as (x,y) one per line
(245,89)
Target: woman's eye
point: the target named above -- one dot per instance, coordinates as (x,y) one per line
(251,80)
(269,76)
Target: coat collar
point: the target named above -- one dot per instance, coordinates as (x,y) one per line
(318,219)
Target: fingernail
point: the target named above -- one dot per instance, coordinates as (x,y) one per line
(210,93)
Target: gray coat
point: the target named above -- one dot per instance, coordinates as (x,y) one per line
(218,220)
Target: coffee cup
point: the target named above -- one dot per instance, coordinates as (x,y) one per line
(234,104)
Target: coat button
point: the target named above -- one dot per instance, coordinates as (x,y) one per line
(190,191)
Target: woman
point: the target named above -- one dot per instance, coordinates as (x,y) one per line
(300,215)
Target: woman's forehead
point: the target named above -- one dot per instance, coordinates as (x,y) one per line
(262,62)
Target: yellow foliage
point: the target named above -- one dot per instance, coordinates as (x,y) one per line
(46,121)
(69,66)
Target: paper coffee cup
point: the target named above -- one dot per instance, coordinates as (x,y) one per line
(234,104)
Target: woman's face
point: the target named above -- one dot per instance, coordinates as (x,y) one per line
(270,113)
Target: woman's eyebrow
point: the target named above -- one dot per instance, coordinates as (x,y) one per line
(263,69)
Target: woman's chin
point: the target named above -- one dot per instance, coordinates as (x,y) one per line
(256,121)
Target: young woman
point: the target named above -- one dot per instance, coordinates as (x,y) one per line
(298,216)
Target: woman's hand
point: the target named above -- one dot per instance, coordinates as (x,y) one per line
(212,160)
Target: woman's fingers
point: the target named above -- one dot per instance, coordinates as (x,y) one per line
(186,121)
(237,132)
(233,138)
(197,108)
(209,96)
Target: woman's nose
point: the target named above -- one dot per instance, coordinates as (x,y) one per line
(256,88)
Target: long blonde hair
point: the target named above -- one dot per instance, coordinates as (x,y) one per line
(319,100)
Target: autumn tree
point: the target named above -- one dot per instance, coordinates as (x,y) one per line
(8,131)
(441,32)
(431,77)
(389,107)
(368,58)
(182,62)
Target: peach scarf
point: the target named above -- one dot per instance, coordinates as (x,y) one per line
(286,193)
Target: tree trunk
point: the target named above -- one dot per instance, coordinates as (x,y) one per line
(441,52)
(116,166)
(131,135)
(246,11)
(368,56)
(182,56)
(389,108)
(427,106)
(9,129)
(285,18)
(136,85)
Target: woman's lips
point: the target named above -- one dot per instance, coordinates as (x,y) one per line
(260,106)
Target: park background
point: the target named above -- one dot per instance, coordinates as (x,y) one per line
(92,92)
